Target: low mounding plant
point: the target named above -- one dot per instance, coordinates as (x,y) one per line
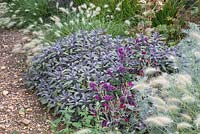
(26,12)
(168,12)
(61,72)
(119,104)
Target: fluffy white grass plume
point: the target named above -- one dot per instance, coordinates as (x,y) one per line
(141,86)
(182,81)
(183,125)
(83,131)
(150,71)
(195,35)
(106,6)
(55,18)
(161,108)
(172,108)
(84,6)
(188,98)
(127,22)
(197,121)
(160,82)
(161,121)
(172,100)
(92,5)
(157,100)
(186,117)
(197,54)
(64,10)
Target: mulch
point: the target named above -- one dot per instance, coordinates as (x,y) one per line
(20,110)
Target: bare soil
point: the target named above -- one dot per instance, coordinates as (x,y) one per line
(20,110)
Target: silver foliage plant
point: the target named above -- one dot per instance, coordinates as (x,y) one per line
(189,49)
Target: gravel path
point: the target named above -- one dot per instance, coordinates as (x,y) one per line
(20,111)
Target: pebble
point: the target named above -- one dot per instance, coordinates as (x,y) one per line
(25,121)
(3,67)
(11,108)
(22,112)
(29,109)
(5,93)
(1,108)
(2,127)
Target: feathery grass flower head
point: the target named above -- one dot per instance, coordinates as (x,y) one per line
(172,108)
(197,54)
(160,82)
(141,86)
(149,71)
(161,121)
(106,6)
(161,108)
(195,35)
(183,125)
(188,98)
(183,81)
(157,100)
(172,100)
(186,117)
(127,22)
(197,121)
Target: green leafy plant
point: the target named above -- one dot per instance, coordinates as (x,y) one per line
(31,11)
(120,9)
(168,12)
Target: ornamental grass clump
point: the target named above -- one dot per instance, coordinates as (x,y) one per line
(183,96)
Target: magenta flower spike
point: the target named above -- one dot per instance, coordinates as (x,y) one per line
(93,85)
(108,97)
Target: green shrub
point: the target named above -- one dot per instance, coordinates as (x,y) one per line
(120,9)
(168,12)
(30,11)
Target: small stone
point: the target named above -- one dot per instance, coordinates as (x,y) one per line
(22,112)
(5,93)
(25,121)
(2,127)
(29,109)
(11,108)
(1,108)
(3,67)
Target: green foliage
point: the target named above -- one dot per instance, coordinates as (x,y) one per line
(69,25)
(172,33)
(120,9)
(64,124)
(30,11)
(168,12)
